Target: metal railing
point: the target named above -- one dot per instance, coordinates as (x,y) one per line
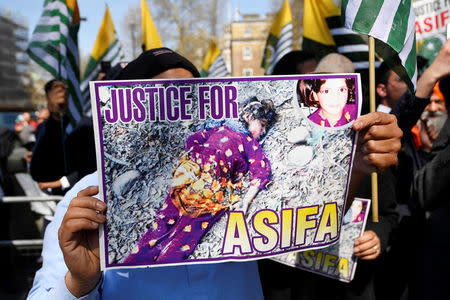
(22,199)
(33,194)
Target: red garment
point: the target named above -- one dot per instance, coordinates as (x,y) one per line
(416,136)
(22,124)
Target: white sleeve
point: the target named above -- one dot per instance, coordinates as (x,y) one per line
(49,280)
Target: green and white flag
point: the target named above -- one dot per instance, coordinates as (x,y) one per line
(106,48)
(54,46)
(279,41)
(391,22)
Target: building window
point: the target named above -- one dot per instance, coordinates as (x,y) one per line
(247,32)
(247,72)
(247,53)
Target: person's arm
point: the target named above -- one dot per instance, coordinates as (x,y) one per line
(376,236)
(49,282)
(78,239)
(248,198)
(438,69)
(64,182)
(408,109)
(431,186)
(378,145)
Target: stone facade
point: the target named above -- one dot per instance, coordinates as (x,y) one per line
(244,44)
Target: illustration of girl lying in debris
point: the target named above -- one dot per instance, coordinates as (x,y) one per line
(335,99)
(207,183)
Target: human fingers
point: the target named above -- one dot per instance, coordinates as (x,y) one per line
(367,246)
(380,146)
(371,119)
(379,162)
(89,191)
(379,141)
(77,219)
(88,202)
(85,213)
(72,226)
(365,237)
(382,130)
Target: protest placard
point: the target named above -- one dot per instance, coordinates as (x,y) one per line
(336,261)
(212,170)
(432,17)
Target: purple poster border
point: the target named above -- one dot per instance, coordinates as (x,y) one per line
(119,83)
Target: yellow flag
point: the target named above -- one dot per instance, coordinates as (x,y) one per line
(73,5)
(314,24)
(214,64)
(279,41)
(106,48)
(106,36)
(283,18)
(150,36)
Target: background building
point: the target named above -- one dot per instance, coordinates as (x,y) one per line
(13,64)
(244,44)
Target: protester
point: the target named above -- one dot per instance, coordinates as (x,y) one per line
(74,269)
(432,120)
(281,282)
(389,88)
(25,129)
(430,191)
(405,278)
(60,159)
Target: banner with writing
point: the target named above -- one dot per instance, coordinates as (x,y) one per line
(432,17)
(213,170)
(336,261)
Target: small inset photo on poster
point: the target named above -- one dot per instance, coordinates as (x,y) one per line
(328,102)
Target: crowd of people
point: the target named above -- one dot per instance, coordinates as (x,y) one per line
(403,256)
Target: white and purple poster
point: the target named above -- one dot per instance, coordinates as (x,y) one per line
(213,170)
(336,261)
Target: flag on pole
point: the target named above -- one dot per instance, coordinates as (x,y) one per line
(150,36)
(279,41)
(392,23)
(54,46)
(106,48)
(325,33)
(214,64)
(317,37)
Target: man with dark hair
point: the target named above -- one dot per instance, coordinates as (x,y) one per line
(59,160)
(389,88)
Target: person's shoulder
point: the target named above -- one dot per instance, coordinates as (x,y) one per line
(90,179)
(86,181)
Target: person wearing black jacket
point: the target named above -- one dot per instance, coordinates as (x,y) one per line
(59,159)
(430,190)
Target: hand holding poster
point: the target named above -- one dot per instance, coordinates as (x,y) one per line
(336,261)
(215,170)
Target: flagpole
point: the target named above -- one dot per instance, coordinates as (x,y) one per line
(374,175)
